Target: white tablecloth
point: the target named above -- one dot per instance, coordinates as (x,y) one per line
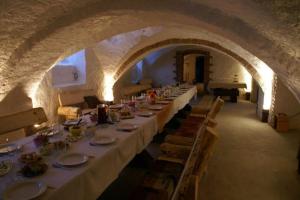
(90,180)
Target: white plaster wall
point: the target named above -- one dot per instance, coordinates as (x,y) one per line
(47,95)
(160,67)
(63,71)
(286,103)
(38,33)
(224,68)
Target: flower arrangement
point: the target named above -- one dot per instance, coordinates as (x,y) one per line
(151,96)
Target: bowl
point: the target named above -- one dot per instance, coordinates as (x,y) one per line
(75,130)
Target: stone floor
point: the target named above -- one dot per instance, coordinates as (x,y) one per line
(251,160)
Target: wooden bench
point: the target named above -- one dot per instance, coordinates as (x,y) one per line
(21,124)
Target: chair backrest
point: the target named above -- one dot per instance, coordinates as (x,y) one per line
(21,120)
(72,97)
(196,163)
(187,174)
(208,142)
(216,107)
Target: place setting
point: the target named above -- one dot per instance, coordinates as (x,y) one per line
(24,190)
(155,107)
(145,113)
(127,127)
(103,140)
(71,160)
(9,148)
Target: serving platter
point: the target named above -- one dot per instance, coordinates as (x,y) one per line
(24,190)
(72,159)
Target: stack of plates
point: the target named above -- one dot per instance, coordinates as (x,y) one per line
(72,160)
(24,190)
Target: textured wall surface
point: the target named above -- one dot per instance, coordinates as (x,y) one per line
(38,34)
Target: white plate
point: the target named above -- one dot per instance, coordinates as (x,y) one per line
(116,106)
(127,127)
(163,102)
(155,107)
(7,148)
(24,190)
(72,159)
(8,165)
(127,117)
(102,140)
(145,113)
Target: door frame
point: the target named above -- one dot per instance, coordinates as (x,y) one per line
(180,62)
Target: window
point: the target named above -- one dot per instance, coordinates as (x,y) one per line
(70,71)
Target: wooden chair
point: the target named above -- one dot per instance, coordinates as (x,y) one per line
(204,105)
(195,120)
(188,185)
(18,125)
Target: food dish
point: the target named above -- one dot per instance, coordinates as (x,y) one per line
(33,169)
(127,127)
(72,160)
(24,190)
(103,140)
(30,158)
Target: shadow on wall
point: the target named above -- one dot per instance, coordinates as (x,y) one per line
(15,101)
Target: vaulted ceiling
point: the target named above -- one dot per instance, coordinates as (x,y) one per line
(36,34)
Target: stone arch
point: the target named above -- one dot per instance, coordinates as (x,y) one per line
(136,56)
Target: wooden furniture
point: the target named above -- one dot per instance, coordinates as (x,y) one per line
(72,105)
(204,105)
(130,90)
(230,89)
(281,122)
(180,62)
(193,161)
(105,163)
(10,125)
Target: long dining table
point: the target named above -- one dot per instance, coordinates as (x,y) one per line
(105,162)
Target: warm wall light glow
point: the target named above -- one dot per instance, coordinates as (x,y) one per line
(32,94)
(248,79)
(267,76)
(108,84)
